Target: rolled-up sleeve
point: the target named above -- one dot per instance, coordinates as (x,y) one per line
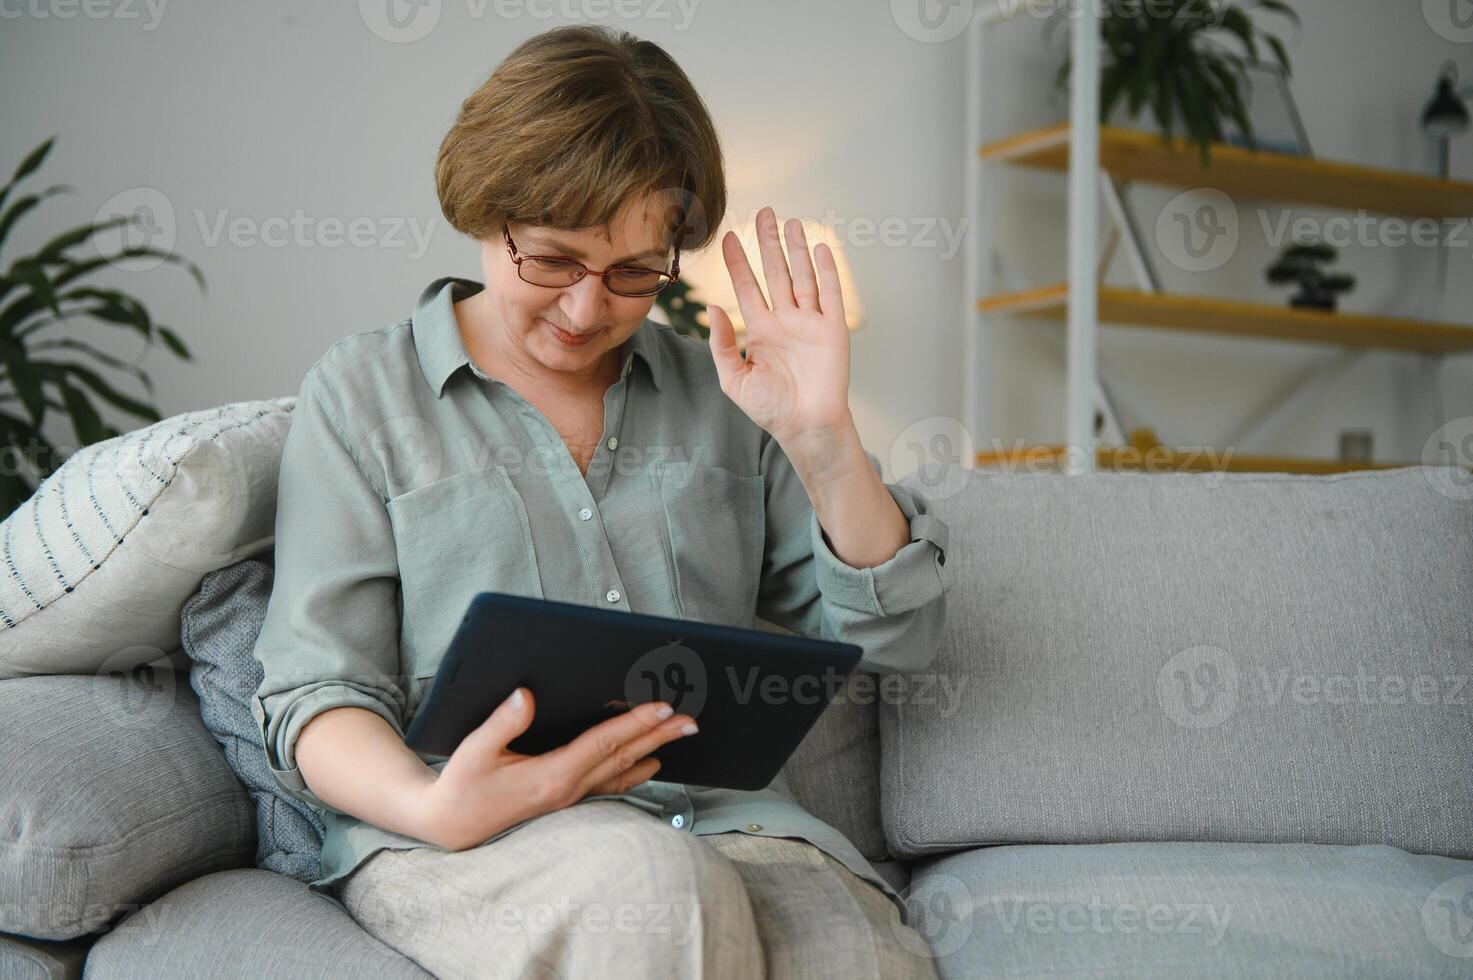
(330,638)
(895,610)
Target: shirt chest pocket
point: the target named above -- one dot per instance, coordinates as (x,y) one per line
(715,522)
(456,537)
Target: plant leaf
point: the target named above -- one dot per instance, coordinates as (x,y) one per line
(25,382)
(1237,23)
(43,294)
(112,361)
(86,423)
(1280,53)
(51,251)
(104,390)
(174,343)
(22,205)
(27,167)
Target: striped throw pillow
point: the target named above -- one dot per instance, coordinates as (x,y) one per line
(95,567)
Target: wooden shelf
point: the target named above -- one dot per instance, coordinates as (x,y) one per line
(1129,307)
(1132,154)
(1160,459)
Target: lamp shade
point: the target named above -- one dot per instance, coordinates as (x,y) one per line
(711,282)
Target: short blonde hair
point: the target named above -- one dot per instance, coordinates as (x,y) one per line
(575,124)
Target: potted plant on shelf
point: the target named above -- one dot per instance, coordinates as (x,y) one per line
(41,370)
(681,310)
(1168,55)
(1300,263)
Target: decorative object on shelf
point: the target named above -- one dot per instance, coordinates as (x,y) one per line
(1446,116)
(1163,53)
(1277,125)
(1356,445)
(1300,263)
(44,289)
(685,314)
(711,282)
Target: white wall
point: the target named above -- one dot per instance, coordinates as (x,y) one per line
(272,109)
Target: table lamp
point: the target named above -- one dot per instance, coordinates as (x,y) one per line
(1446,116)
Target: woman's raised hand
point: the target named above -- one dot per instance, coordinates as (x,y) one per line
(485,787)
(794,381)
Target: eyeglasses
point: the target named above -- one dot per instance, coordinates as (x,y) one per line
(555,272)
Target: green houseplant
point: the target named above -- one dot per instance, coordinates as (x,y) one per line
(1169,55)
(43,370)
(681,309)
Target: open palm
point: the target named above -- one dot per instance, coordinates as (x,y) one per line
(794,380)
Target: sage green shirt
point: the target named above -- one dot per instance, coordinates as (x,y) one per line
(410,481)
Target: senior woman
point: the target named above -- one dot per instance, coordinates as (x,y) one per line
(538,434)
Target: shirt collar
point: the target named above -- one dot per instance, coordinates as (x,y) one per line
(442,352)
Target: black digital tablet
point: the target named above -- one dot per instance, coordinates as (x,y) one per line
(754,694)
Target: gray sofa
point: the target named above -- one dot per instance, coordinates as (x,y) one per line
(1180,725)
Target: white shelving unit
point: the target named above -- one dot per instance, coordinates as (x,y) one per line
(1082,384)
(1100,162)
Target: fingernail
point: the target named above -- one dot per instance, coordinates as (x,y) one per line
(689,728)
(517,700)
(664,711)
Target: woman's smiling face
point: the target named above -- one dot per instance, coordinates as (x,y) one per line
(575,331)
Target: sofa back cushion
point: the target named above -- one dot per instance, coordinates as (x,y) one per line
(834,773)
(1196,657)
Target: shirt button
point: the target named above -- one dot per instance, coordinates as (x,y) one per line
(613,442)
(677,821)
(585,514)
(612,595)
(754,827)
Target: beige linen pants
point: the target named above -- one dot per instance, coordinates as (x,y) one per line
(604,889)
